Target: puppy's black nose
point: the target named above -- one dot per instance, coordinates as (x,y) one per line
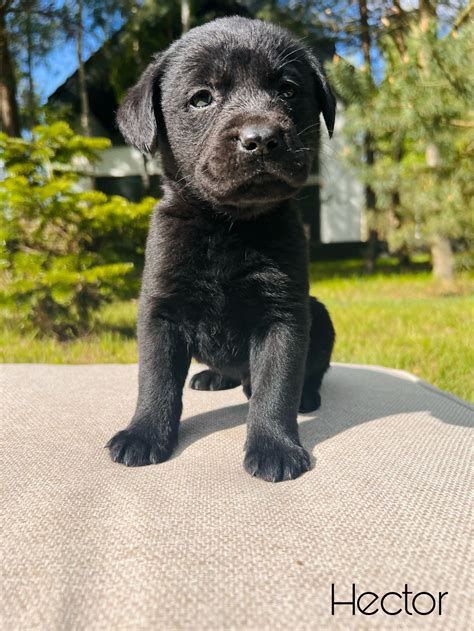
(259,139)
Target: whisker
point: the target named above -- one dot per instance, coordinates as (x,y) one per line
(281,61)
(284,51)
(306,128)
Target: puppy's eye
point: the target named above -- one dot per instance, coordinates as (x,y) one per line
(287,90)
(203,98)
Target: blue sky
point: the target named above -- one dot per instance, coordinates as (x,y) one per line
(61,63)
(58,66)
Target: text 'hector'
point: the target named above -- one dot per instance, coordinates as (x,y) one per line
(391,603)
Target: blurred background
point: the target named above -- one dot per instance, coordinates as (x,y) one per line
(388,209)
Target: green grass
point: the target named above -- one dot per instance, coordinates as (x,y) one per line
(406,321)
(397,319)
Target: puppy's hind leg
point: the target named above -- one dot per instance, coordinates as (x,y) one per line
(321,343)
(212,380)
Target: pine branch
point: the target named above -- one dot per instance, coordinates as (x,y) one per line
(464,15)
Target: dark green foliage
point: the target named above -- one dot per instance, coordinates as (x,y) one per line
(64,250)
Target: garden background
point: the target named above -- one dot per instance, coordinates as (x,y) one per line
(71,255)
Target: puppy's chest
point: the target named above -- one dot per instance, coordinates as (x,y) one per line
(226,266)
(235,289)
(232,281)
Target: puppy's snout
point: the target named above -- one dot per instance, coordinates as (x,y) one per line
(259,139)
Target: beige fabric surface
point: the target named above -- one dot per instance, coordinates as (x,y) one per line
(196,543)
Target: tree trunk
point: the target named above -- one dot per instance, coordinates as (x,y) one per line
(372,250)
(370,199)
(427,10)
(365,33)
(85,118)
(9,117)
(442,258)
(396,27)
(185,15)
(464,15)
(31,88)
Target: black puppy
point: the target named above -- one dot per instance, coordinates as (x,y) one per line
(233,107)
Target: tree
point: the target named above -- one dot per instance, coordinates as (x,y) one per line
(10,119)
(370,198)
(64,251)
(420,117)
(185,15)
(79,34)
(29,29)
(95,18)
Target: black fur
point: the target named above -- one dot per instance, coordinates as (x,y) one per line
(225,277)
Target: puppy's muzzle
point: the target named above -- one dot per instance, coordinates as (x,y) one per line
(259,139)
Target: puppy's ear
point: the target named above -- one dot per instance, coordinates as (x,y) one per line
(325,95)
(140,112)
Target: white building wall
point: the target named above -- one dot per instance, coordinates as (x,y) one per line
(125,161)
(342,194)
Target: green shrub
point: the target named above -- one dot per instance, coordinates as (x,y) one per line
(64,250)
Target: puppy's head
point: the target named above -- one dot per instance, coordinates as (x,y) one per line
(234,108)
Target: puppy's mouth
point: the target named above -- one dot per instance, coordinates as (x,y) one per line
(260,183)
(264,186)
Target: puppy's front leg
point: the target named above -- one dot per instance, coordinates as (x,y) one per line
(164,360)
(277,360)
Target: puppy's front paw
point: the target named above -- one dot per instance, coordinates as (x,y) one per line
(133,448)
(276,462)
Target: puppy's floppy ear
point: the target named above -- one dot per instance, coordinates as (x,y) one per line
(325,95)
(140,112)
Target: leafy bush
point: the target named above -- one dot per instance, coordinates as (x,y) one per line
(64,250)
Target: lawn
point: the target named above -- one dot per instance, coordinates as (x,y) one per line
(397,319)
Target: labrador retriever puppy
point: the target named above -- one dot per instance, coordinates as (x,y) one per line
(233,108)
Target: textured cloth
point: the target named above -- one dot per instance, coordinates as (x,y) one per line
(196,543)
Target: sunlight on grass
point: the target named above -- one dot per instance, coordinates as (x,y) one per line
(406,320)
(399,320)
